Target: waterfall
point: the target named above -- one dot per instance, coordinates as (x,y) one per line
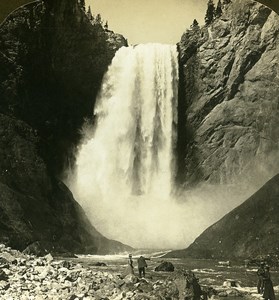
(125,165)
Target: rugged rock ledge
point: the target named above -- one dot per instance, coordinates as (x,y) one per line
(228,97)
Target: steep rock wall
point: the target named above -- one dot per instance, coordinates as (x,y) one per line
(228,97)
(52,60)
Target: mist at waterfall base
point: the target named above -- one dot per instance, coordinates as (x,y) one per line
(125,164)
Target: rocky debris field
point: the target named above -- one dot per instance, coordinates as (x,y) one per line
(28,277)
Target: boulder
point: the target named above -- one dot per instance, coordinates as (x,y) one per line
(222,294)
(100,264)
(131,278)
(234,293)
(226,263)
(48,258)
(3,275)
(231,283)
(35,248)
(6,257)
(165,267)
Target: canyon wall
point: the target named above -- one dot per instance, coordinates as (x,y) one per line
(228,130)
(52,62)
(229,95)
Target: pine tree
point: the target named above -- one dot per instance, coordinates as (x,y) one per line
(99,19)
(106,25)
(210,13)
(225,2)
(89,14)
(218,11)
(82,4)
(195,25)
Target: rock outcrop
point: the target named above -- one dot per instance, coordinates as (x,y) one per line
(228,97)
(250,230)
(37,207)
(52,59)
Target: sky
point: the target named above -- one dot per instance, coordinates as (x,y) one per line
(150,21)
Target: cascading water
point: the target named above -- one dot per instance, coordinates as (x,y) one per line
(125,164)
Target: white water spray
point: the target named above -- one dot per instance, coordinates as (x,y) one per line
(125,165)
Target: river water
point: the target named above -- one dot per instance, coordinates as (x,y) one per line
(209,272)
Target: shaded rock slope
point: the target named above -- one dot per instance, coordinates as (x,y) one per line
(52,60)
(251,229)
(228,97)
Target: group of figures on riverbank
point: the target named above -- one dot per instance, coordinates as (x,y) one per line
(25,277)
(141,266)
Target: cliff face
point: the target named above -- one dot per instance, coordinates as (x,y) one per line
(228,97)
(229,123)
(249,230)
(52,61)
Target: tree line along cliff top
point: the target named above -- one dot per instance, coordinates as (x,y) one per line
(8,6)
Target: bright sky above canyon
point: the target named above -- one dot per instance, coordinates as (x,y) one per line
(145,21)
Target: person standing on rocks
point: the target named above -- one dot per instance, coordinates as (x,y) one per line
(142,265)
(193,289)
(268,291)
(130,265)
(129,270)
(260,273)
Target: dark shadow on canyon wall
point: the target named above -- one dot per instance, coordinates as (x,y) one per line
(52,60)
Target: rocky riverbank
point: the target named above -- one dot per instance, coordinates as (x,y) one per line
(27,277)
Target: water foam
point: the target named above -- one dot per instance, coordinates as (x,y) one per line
(125,164)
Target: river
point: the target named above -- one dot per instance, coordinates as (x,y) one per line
(209,272)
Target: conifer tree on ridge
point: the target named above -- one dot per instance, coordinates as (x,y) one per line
(210,13)
(82,4)
(218,11)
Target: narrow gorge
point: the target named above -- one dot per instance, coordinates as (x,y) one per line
(150,139)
